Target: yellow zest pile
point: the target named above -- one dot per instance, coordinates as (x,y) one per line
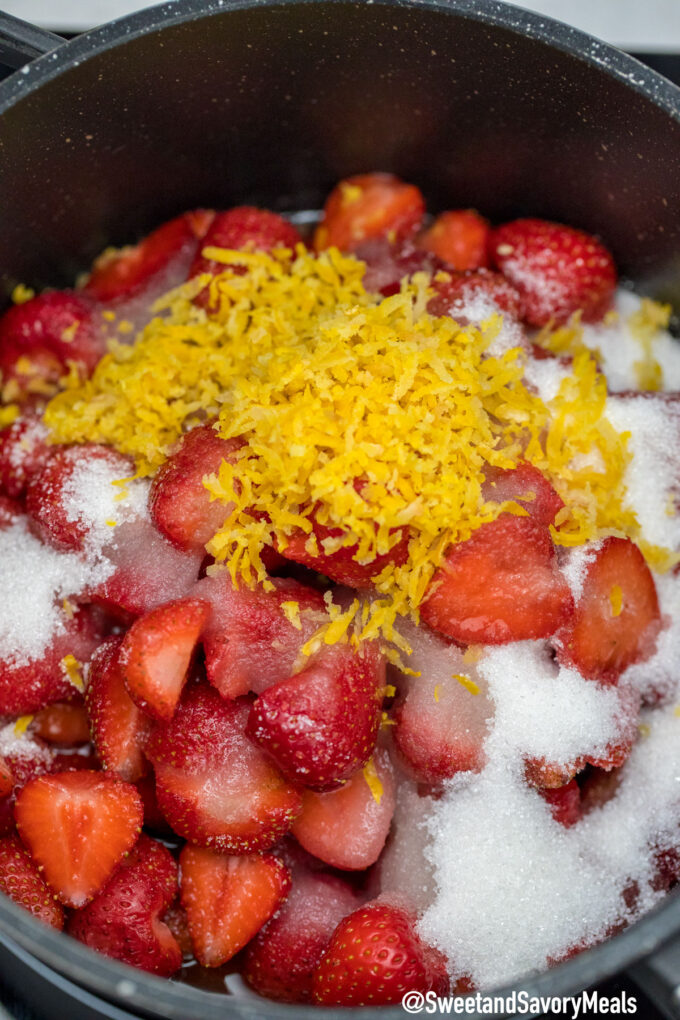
(332,386)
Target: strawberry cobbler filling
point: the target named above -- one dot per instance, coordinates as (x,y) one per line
(341,604)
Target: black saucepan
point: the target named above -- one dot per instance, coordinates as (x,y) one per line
(216,102)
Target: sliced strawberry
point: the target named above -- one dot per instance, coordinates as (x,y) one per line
(249,641)
(228,899)
(388,263)
(501,585)
(347,827)
(20,879)
(156,654)
(77,827)
(179,502)
(565,803)
(64,723)
(443,717)
(122,273)
(213,785)
(341,566)
(460,237)
(281,959)
(23,452)
(120,729)
(558,270)
(176,919)
(617,618)
(374,957)
(366,206)
(321,725)
(39,338)
(482,289)
(123,921)
(6,778)
(244,228)
(154,818)
(527,486)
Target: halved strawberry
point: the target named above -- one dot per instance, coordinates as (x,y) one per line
(374,957)
(501,585)
(213,785)
(249,641)
(558,270)
(527,486)
(460,237)
(124,922)
(480,289)
(244,228)
(20,879)
(156,654)
(39,338)
(122,273)
(179,503)
(366,206)
(228,899)
(281,959)
(321,725)
(347,827)
(64,723)
(120,729)
(23,452)
(77,827)
(617,618)
(565,803)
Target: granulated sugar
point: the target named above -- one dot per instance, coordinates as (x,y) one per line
(93,497)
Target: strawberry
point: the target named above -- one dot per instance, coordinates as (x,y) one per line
(154,818)
(228,899)
(20,879)
(23,451)
(248,640)
(321,725)
(565,803)
(460,237)
(347,827)
(124,922)
(122,273)
(77,827)
(176,919)
(617,617)
(6,778)
(374,957)
(367,206)
(501,585)
(213,785)
(120,729)
(40,337)
(156,654)
(456,293)
(441,718)
(558,270)
(527,486)
(388,263)
(179,503)
(282,958)
(244,228)
(63,722)
(10,512)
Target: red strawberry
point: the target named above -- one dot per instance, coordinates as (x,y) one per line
(176,919)
(120,729)
(63,722)
(366,206)
(213,785)
(387,263)
(340,565)
(156,654)
(77,827)
(11,512)
(122,273)
(228,899)
(321,725)
(374,957)
(6,778)
(124,919)
(347,827)
(527,486)
(154,818)
(442,721)
(501,585)
(244,228)
(179,503)
(460,291)
(460,237)
(558,270)
(281,959)
(39,338)
(617,617)
(565,803)
(248,640)
(21,880)
(23,451)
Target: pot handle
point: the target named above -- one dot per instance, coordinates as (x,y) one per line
(658,976)
(21,42)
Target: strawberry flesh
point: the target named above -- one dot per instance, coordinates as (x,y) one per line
(460,237)
(565,803)
(64,723)
(367,206)
(23,452)
(527,486)
(340,565)
(20,879)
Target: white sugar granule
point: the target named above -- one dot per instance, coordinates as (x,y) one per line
(22,745)
(574,565)
(92,497)
(546,376)
(656,679)
(35,432)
